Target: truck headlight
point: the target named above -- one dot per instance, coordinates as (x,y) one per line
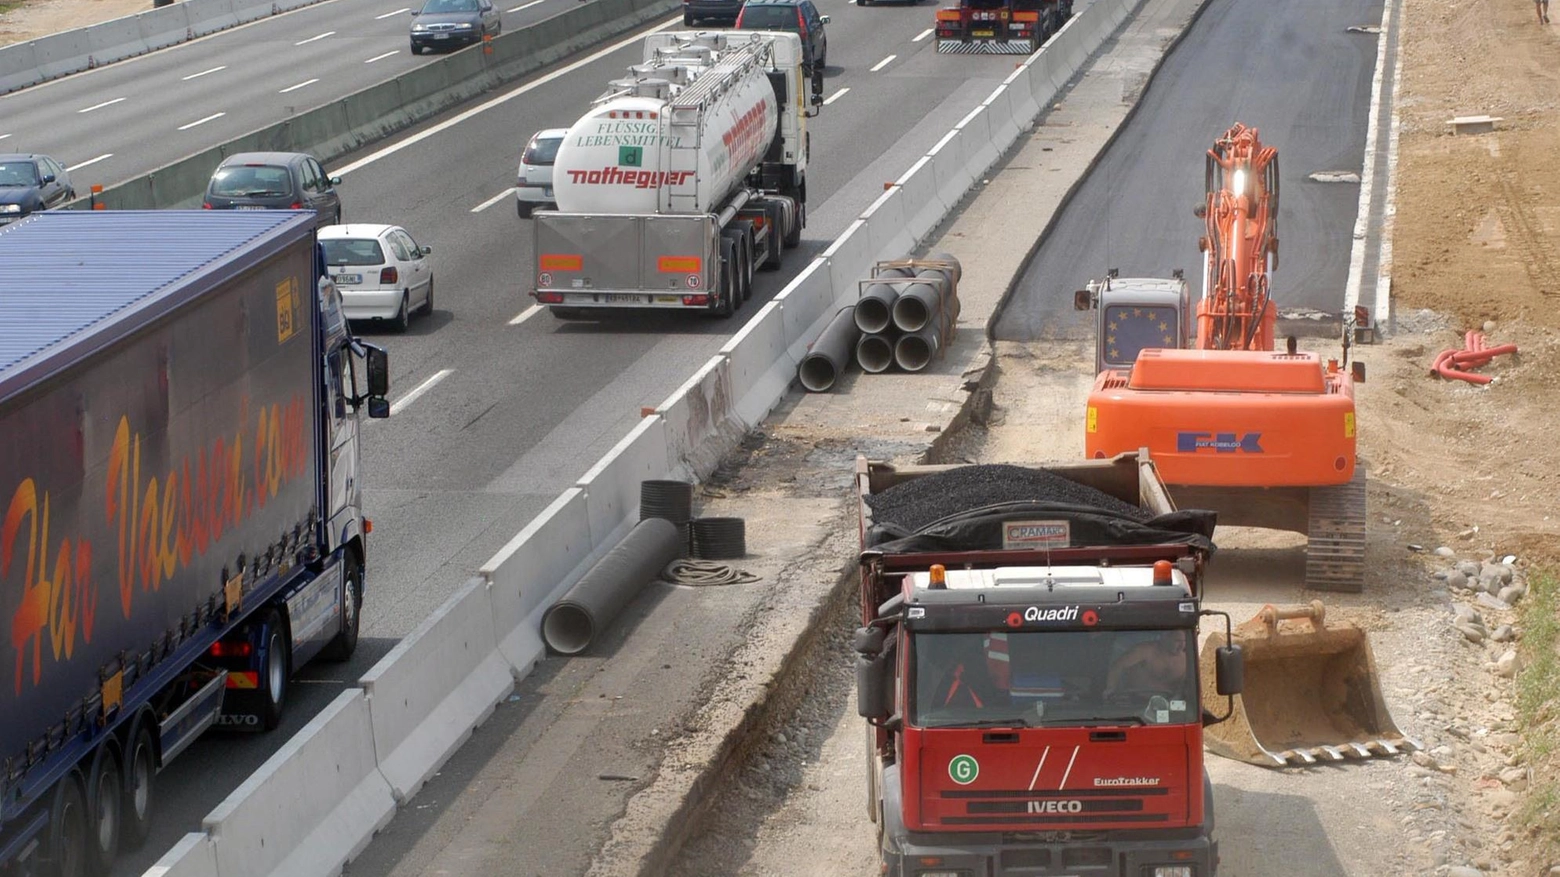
(10,208)
(1173,871)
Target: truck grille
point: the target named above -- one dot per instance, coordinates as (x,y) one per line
(1083,806)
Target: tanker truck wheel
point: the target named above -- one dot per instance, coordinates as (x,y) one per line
(793,232)
(774,217)
(727,303)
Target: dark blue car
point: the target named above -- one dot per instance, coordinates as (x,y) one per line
(29,183)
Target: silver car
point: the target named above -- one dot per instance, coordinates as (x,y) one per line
(534,186)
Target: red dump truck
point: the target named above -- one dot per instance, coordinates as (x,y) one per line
(179,403)
(1027,665)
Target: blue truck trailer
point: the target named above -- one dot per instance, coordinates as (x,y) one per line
(181,523)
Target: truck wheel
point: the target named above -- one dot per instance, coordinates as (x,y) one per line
(67,835)
(793,232)
(774,217)
(345,643)
(139,785)
(687,20)
(105,800)
(726,304)
(524,208)
(273,676)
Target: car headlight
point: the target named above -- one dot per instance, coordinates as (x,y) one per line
(10,208)
(1172,871)
(465,25)
(419,28)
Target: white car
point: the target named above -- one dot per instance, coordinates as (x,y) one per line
(534,182)
(382,273)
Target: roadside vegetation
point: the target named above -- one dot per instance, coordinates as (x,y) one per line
(1538,708)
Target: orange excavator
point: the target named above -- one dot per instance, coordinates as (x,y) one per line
(1265,437)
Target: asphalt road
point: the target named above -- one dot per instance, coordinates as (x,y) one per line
(497,406)
(122,120)
(1295,73)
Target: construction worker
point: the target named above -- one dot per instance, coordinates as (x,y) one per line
(1542,6)
(1159,664)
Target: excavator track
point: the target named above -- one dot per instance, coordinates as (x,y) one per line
(1335,548)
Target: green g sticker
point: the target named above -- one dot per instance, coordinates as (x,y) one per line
(631,156)
(963,769)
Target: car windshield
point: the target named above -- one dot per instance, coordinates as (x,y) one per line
(1129,330)
(251,181)
(352,251)
(769,18)
(18,173)
(435,7)
(542,151)
(1054,678)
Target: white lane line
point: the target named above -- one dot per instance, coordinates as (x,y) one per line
(526,6)
(107,103)
(401,403)
(883,63)
(88,161)
(382,57)
(3,136)
(526,314)
(402,11)
(298,86)
(836,96)
(502,99)
(493,200)
(922,35)
(202,73)
(329,33)
(201,121)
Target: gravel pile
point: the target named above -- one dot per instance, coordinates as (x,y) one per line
(914,504)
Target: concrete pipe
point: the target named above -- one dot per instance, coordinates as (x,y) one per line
(876,304)
(571,624)
(958,270)
(914,350)
(918,304)
(828,356)
(875,353)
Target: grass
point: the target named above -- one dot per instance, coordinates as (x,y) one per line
(1538,706)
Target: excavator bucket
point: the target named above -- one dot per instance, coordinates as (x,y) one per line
(1311,693)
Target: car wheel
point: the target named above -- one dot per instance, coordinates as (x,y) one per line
(524,208)
(416,49)
(403,317)
(427,307)
(687,20)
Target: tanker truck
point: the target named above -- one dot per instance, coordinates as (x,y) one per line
(179,404)
(682,179)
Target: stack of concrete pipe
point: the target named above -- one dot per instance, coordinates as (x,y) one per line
(925,313)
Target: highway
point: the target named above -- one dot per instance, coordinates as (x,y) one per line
(1303,79)
(498,406)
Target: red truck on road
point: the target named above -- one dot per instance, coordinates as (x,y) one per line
(1027,666)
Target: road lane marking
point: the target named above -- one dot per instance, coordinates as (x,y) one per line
(201,121)
(835,96)
(401,403)
(402,11)
(502,99)
(107,103)
(922,35)
(3,136)
(526,6)
(329,33)
(298,86)
(202,73)
(883,63)
(526,314)
(85,163)
(493,200)
(382,57)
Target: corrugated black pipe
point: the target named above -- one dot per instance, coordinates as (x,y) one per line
(571,624)
(830,354)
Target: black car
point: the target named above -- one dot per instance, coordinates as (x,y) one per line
(451,24)
(718,11)
(31,182)
(796,16)
(274,181)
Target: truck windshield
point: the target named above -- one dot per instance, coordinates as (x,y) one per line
(1054,678)
(1131,329)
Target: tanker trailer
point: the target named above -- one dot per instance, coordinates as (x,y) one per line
(681,180)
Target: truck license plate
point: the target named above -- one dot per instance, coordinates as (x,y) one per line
(625,298)
(984,33)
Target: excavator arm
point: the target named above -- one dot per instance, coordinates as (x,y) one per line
(1241,243)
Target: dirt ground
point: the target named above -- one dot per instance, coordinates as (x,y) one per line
(23,20)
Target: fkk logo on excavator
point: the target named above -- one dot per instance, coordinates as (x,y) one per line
(1219,442)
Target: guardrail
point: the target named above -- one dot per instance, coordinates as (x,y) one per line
(84,48)
(418,713)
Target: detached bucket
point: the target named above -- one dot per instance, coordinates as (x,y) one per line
(1311,693)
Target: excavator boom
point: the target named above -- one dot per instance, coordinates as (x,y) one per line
(1241,243)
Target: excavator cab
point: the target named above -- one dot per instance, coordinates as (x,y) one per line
(1134,314)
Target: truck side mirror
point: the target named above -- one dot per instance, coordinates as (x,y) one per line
(874,689)
(1200,211)
(1082,301)
(868,641)
(378,371)
(378,407)
(1229,670)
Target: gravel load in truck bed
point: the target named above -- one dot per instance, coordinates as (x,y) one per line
(920,501)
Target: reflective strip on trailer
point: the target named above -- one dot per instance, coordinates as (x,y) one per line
(562,262)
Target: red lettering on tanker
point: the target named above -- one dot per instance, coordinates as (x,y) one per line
(162,524)
(616,176)
(746,136)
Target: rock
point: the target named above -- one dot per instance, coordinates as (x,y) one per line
(1464,871)
(1471,633)
(1468,533)
(780,737)
(1423,759)
(1463,610)
(1503,634)
(1490,602)
(1444,551)
(1470,568)
(1455,579)
(1514,778)
(1506,573)
(1506,665)
(1511,594)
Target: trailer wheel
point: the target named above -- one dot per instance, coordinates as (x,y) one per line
(774,217)
(273,676)
(345,643)
(746,270)
(105,802)
(67,835)
(139,784)
(726,304)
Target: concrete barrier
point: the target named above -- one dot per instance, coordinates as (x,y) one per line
(951,167)
(979,152)
(697,418)
(245,11)
(532,571)
(1043,78)
(1003,117)
(427,694)
(885,219)
(761,371)
(163,27)
(114,40)
(612,485)
(210,16)
(192,856)
(18,67)
(808,302)
(62,54)
(922,208)
(312,807)
(1020,92)
(849,257)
